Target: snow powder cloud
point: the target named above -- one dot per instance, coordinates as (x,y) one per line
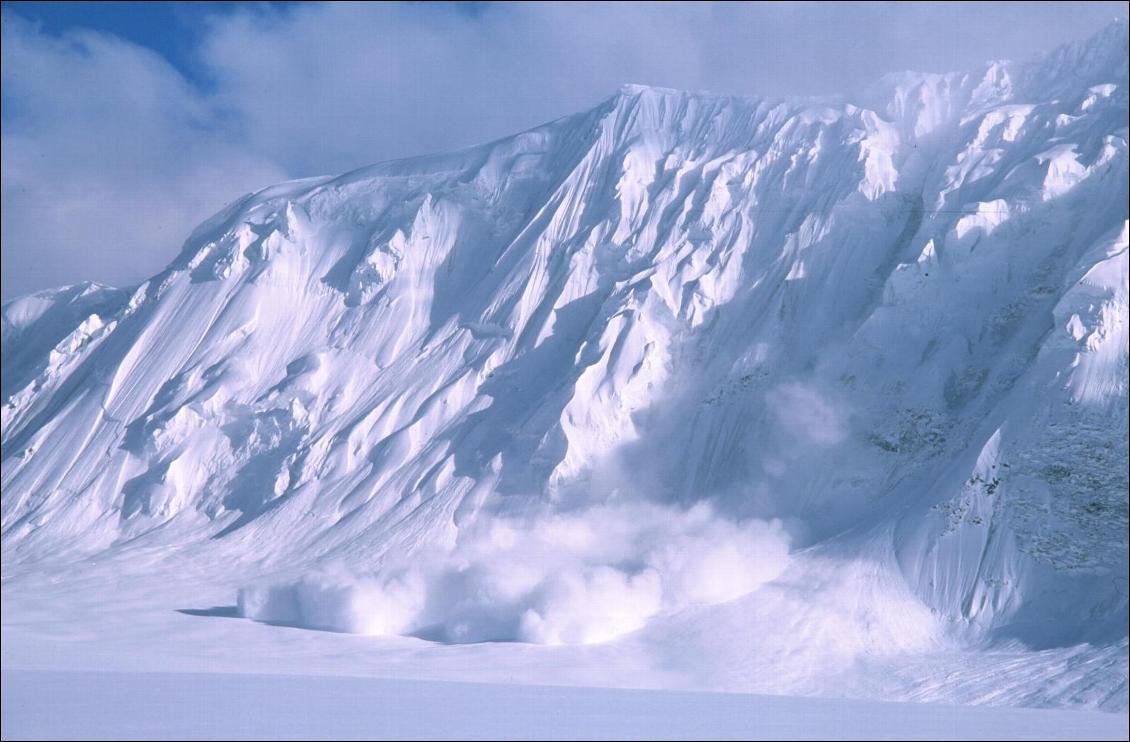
(572,578)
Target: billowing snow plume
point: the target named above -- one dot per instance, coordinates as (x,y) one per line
(566,578)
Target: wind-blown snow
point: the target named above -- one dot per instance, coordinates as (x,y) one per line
(559,388)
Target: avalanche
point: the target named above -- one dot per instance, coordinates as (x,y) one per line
(808,397)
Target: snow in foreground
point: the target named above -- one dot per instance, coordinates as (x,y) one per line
(93,705)
(814,631)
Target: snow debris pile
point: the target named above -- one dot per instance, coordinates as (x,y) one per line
(572,578)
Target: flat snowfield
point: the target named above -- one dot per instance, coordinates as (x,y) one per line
(107,705)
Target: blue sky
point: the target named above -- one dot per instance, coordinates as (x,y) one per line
(171,29)
(125,124)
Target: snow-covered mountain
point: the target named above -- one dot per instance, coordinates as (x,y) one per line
(877,347)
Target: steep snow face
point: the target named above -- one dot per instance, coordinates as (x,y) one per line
(899,328)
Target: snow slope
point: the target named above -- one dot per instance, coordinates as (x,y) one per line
(777,391)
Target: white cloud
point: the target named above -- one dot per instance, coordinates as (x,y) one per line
(356,82)
(110,158)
